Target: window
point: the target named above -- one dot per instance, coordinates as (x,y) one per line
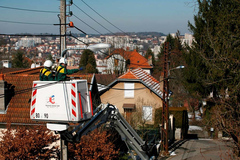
(128,90)
(115,62)
(147,113)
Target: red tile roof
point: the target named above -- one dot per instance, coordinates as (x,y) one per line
(146,78)
(136,60)
(128,75)
(19,107)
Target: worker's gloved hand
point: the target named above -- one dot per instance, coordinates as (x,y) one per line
(81,68)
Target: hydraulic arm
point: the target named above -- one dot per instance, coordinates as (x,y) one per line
(110,114)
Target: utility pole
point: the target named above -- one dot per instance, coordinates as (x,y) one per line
(63,143)
(63,24)
(165,109)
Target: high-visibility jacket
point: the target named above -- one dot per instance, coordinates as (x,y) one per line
(46,75)
(61,73)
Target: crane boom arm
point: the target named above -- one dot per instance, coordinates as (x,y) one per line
(110,114)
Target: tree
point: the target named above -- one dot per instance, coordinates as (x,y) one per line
(176,58)
(28,143)
(19,60)
(150,54)
(88,59)
(94,146)
(49,57)
(213,63)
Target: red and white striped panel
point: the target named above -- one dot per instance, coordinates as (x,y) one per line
(33,104)
(73,101)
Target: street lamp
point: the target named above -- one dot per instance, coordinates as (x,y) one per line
(94,48)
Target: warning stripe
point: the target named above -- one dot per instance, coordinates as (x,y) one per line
(74,113)
(73,99)
(33,110)
(34,93)
(73,103)
(33,102)
(73,93)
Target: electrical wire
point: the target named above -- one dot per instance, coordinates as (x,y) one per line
(34,35)
(46,85)
(80,40)
(106,87)
(104,18)
(29,10)
(25,22)
(27,89)
(92,18)
(86,24)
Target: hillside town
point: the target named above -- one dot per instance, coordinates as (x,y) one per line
(38,49)
(66,94)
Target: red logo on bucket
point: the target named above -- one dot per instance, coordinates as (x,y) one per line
(52,99)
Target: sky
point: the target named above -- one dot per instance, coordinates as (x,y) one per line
(166,16)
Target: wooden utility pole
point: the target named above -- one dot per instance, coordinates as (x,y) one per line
(64,144)
(165,109)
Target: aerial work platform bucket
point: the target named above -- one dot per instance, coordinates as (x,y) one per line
(60,101)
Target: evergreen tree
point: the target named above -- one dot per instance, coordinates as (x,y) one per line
(213,62)
(19,60)
(175,57)
(88,59)
(49,57)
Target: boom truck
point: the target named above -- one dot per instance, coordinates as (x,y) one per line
(60,103)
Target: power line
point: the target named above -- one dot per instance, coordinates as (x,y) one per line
(26,22)
(46,85)
(34,35)
(27,89)
(29,10)
(103,17)
(86,24)
(79,40)
(92,18)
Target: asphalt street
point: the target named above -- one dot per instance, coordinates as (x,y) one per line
(201,149)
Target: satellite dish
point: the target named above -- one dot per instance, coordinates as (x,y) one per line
(96,47)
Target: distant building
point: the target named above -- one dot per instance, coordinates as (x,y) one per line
(101,65)
(7,63)
(156,50)
(28,42)
(188,39)
(117,61)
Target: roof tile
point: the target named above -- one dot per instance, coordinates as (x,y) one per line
(140,74)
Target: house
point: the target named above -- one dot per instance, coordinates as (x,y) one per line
(16,91)
(136,90)
(120,60)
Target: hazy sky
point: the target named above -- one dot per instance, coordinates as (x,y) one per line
(166,16)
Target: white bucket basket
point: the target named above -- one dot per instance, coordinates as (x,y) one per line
(63,101)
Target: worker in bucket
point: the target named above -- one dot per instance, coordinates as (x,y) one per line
(62,72)
(46,73)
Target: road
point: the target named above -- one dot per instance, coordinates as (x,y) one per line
(201,149)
